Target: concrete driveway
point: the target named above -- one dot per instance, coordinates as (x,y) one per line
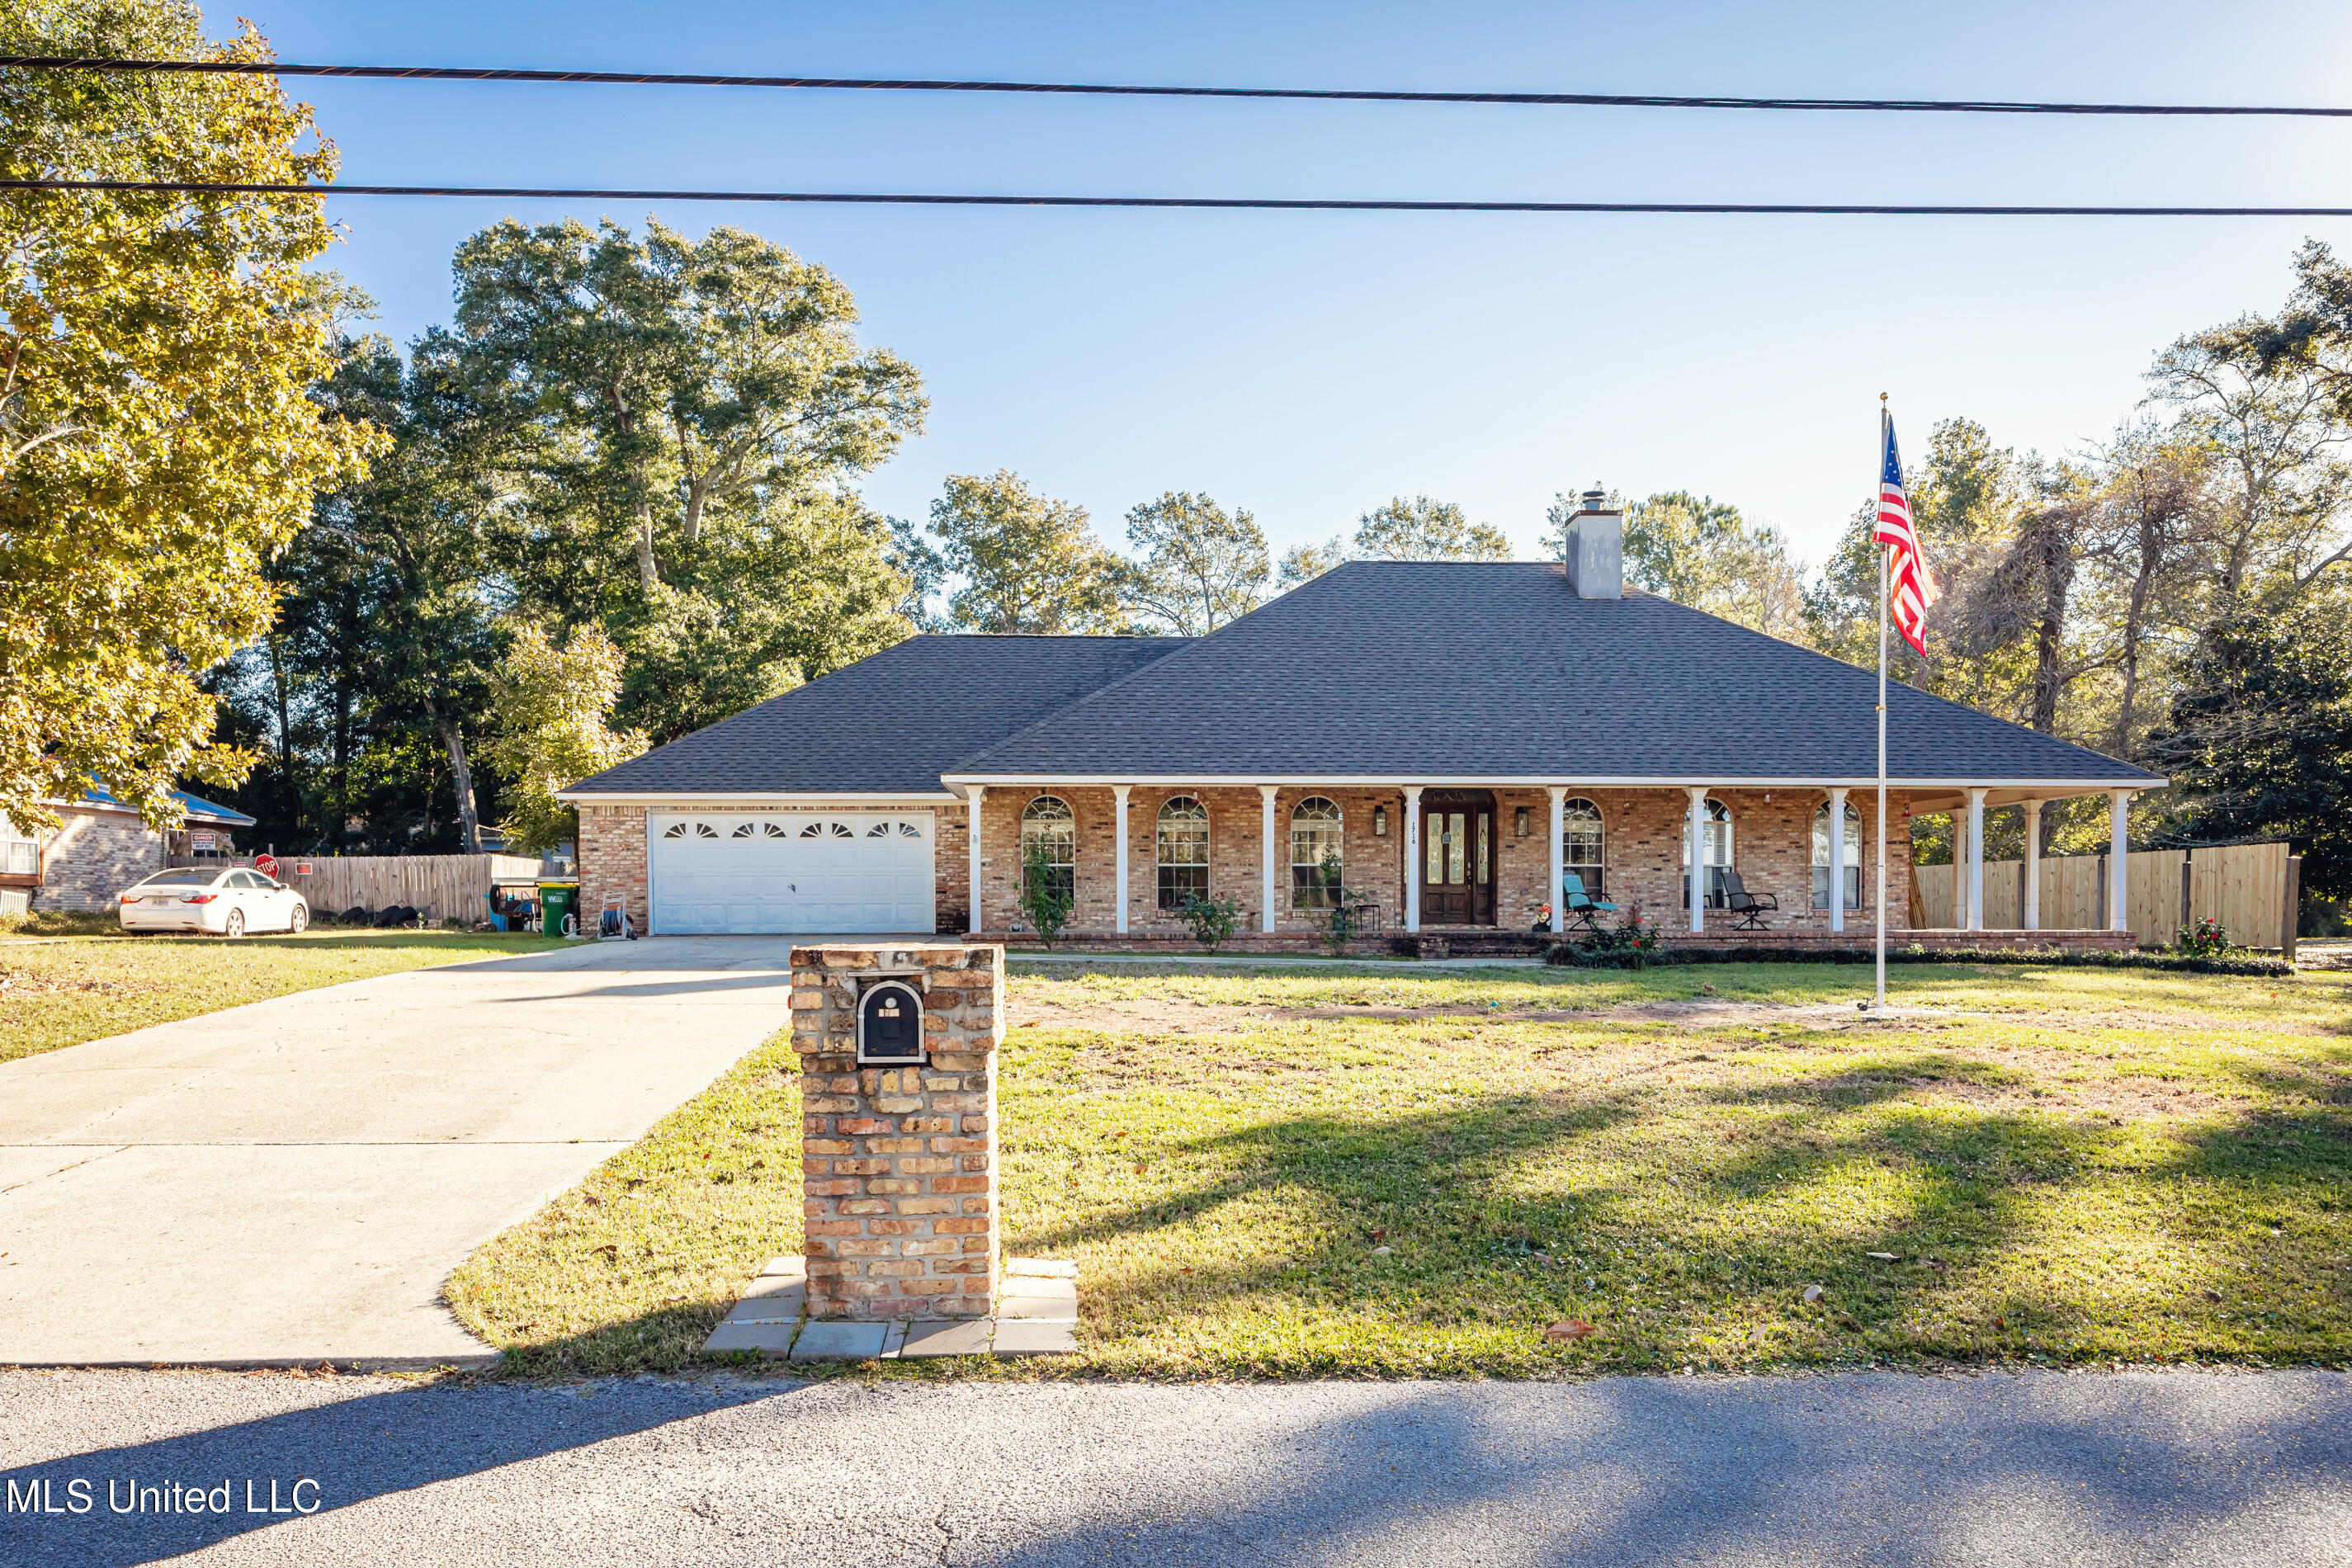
(293,1180)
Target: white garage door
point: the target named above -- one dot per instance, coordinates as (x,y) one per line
(850,871)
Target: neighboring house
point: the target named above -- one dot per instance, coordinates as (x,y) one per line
(1448,740)
(101,848)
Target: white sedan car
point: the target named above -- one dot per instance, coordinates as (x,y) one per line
(224,903)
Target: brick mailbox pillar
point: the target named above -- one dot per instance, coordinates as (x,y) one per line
(899,1160)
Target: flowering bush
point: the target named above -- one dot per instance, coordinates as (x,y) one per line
(1632,944)
(2207,939)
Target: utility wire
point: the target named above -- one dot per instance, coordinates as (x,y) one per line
(1275,204)
(1357,95)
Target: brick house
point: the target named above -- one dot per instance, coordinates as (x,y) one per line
(1447,741)
(100,847)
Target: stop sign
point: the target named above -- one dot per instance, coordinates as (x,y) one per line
(265,864)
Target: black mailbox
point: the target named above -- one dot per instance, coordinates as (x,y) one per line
(889,1024)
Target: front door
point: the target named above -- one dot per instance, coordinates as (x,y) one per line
(1457,857)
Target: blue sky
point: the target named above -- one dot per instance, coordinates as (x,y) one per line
(1308,366)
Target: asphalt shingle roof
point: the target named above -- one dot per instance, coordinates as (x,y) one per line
(888,725)
(1394,670)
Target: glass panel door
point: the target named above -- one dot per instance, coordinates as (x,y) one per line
(1458,866)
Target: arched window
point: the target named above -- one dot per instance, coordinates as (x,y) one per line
(1581,849)
(1050,827)
(1821,857)
(1314,856)
(1183,852)
(1716,854)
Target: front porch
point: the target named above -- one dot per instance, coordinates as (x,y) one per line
(1458,865)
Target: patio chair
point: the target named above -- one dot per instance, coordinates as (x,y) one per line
(1578,908)
(1751,908)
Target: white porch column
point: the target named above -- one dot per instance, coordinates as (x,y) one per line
(1697,857)
(1975,858)
(1412,857)
(2032,865)
(1556,898)
(971,852)
(1837,859)
(1265,850)
(1959,870)
(2118,859)
(1120,791)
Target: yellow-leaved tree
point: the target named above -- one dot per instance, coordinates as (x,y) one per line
(157,441)
(549,704)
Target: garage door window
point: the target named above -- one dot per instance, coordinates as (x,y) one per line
(791,872)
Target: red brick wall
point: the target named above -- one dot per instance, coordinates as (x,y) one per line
(1772,845)
(952,847)
(898,1164)
(612,863)
(1235,866)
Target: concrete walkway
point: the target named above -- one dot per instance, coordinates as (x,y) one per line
(2087,1471)
(293,1180)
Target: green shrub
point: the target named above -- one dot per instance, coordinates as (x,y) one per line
(1212,920)
(1344,920)
(2207,939)
(1632,944)
(1044,900)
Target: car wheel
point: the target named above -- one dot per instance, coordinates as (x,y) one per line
(298,919)
(235,925)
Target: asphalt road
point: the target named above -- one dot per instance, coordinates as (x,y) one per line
(294,1179)
(2138,1468)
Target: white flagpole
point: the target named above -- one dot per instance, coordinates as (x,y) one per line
(1879,822)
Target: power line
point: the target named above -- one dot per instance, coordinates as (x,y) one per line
(1108,89)
(1275,203)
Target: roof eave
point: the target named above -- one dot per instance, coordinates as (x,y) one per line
(961,782)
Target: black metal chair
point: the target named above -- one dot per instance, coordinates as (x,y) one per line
(1751,908)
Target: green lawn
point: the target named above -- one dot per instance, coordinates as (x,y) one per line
(63,992)
(1355,1173)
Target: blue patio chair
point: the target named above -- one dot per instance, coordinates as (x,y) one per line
(1577,906)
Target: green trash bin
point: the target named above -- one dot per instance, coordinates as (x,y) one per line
(559,908)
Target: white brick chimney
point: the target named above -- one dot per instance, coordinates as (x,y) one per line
(1596,548)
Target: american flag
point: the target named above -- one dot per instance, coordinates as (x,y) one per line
(1911,587)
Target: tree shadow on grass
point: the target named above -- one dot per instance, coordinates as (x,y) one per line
(1733,1200)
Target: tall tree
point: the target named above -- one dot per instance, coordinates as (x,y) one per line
(1024,562)
(156,444)
(645,383)
(1199,567)
(2260,739)
(551,705)
(1416,530)
(1425,530)
(1966,498)
(2280,442)
(2145,532)
(1700,551)
(675,426)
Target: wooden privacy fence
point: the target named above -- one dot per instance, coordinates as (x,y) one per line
(2248,887)
(444,887)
